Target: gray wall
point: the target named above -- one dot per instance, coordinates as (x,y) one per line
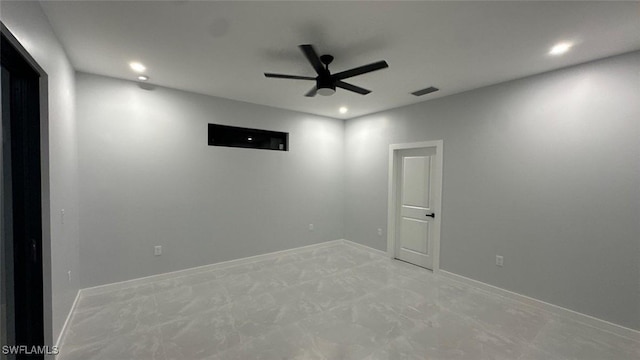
(28,23)
(544,171)
(149,178)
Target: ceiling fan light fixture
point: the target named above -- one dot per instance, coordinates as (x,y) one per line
(327,91)
(326,86)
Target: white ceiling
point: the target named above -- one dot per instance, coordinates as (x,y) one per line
(223,48)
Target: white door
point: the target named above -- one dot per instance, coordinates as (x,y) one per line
(415,210)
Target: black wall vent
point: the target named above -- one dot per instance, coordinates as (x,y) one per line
(428,90)
(232,136)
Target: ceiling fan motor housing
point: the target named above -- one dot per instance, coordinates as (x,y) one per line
(326,86)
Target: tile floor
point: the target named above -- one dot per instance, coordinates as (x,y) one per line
(336,302)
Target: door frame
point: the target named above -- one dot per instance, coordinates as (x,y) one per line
(392,203)
(45,201)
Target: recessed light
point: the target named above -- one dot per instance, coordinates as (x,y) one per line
(143,78)
(343,110)
(137,67)
(249,138)
(560,48)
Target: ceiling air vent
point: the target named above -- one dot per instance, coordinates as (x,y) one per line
(428,90)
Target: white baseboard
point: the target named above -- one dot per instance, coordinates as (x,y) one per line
(555,309)
(194,270)
(190,271)
(67,321)
(604,325)
(365,247)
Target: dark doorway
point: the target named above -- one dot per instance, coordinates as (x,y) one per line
(22,275)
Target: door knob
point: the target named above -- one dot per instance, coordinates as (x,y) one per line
(433,215)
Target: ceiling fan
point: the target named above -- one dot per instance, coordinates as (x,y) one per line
(326,82)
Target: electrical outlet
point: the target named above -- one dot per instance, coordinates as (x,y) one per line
(69,276)
(379,232)
(499,260)
(157,250)
(62,216)
(311,227)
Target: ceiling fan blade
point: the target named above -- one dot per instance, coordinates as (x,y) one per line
(312,92)
(283,76)
(356,89)
(313,58)
(361,70)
